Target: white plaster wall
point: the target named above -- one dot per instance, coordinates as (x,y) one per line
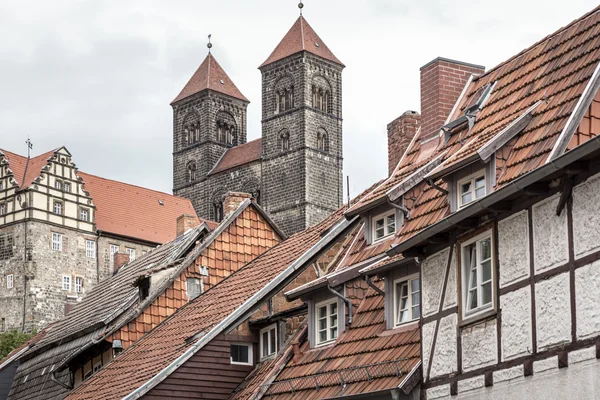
(444,355)
(513,248)
(427,333)
(586,216)
(479,345)
(553,311)
(550,241)
(450,299)
(433,270)
(438,392)
(587,300)
(580,381)
(516,323)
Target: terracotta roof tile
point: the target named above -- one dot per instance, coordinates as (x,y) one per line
(239,155)
(211,76)
(301,37)
(26,171)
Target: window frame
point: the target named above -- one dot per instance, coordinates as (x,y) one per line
(90,251)
(3,208)
(58,184)
(59,243)
(386,233)
(70,280)
(408,280)
(250,354)
(111,252)
(80,289)
(10,278)
(469,314)
(131,253)
(472,178)
(83,210)
(60,205)
(326,303)
(272,327)
(67,187)
(187,291)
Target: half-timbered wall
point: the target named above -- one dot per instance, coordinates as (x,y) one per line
(541,339)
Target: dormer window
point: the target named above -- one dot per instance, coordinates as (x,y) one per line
(326,314)
(268,341)
(144,288)
(471,188)
(384,225)
(407,300)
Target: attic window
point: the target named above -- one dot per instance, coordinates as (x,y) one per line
(479,98)
(471,188)
(144,287)
(384,225)
(193,288)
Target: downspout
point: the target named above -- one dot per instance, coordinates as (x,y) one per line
(25,282)
(436,187)
(348,303)
(98,256)
(401,208)
(371,284)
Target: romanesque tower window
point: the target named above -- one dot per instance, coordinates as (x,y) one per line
(225,132)
(322,141)
(321,99)
(191,172)
(218,211)
(284,141)
(284,99)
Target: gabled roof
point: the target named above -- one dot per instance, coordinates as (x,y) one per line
(26,170)
(223,306)
(301,37)
(239,155)
(136,212)
(210,76)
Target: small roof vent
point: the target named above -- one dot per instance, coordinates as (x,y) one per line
(162,203)
(317,44)
(222,83)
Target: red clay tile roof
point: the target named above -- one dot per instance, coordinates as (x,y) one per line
(239,155)
(26,170)
(134,211)
(301,37)
(210,76)
(170,339)
(367,357)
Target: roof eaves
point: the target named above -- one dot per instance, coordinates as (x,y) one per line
(241,311)
(499,195)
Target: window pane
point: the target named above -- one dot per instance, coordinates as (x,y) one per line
(333,320)
(486,249)
(416,312)
(334,333)
(265,344)
(415,299)
(272,343)
(466,188)
(479,192)
(473,280)
(472,302)
(322,336)
(322,312)
(334,308)
(391,223)
(403,316)
(414,285)
(486,271)
(480,182)
(323,323)
(486,292)
(466,198)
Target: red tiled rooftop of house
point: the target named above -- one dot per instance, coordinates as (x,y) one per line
(25,173)
(301,37)
(239,155)
(211,76)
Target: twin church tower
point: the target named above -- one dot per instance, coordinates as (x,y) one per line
(294,170)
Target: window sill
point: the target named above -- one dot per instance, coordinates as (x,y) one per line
(243,364)
(478,318)
(322,346)
(409,326)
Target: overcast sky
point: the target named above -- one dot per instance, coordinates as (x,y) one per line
(98,76)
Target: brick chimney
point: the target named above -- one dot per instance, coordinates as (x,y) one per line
(185,223)
(442,81)
(232,202)
(120,259)
(400,133)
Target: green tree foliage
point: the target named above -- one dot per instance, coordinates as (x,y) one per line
(10,340)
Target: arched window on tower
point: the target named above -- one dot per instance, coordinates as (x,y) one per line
(322,140)
(321,99)
(284,99)
(218,210)
(283,141)
(191,172)
(225,132)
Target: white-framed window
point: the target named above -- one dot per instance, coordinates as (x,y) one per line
(193,287)
(57,241)
(67,187)
(268,341)
(471,188)
(90,249)
(326,315)
(407,300)
(78,284)
(113,249)
(66,283)
(1,186)
(97,366)
(10,282)
(2,208)
(384,225)
(241,354)
(131,253)
(58,185)
(477,274)
(84,214)
(58,207)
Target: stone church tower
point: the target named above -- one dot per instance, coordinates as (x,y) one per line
(295,170)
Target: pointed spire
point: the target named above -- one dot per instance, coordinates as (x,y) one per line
(301,37)
(210,76)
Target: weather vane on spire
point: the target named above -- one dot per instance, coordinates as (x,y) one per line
(209,45)
(29,147)
(301,6)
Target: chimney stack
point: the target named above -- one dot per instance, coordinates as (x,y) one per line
(400,133)
(120,259)
(232,202)
(185,223)
(442,81)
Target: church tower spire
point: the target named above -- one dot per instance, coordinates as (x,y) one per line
(302,129)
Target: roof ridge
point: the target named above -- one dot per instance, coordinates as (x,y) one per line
(547,37)
(129,184)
